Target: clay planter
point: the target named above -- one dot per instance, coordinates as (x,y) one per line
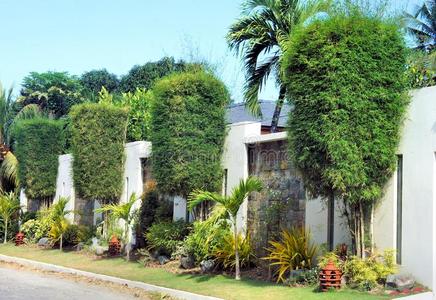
(114,246)
(330,277)
(19,239)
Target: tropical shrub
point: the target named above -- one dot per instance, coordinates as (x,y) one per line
(38,143)
(205,238)
(228,206)
(346,77)
(165,237)
(293,251)
(225,253)
(34,229)
(56,215)
(9,207)
(75,234)
(188,131)
(121,211)
(98,133)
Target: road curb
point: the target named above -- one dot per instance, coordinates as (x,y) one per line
(130,283)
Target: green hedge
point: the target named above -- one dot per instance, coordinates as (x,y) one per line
(38,143)
(98,134)
(188,132)
(346,79)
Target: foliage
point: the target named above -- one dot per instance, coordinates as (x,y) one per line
(143,77)
(39,142)
(188,131)
(205,237)
(34,229)
(261,35)
(421,69)
(138,103)
(98,133)
(165,237)
(225,252)
(56,216)
(54,92)
(346,78)
(293,251)
(308,277)
(330,257)
(153,210)
(229,204)
(421,25)
(9,207)
(365,274)
(121,211)
(93,81)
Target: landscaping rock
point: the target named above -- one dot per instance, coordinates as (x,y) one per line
(163,259)
(400,282)
(187,262)
(80,246)
(99,250)
(207,265)
(44,242)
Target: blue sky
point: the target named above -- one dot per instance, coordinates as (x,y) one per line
(81,35)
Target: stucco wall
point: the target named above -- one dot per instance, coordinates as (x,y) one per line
(418,147)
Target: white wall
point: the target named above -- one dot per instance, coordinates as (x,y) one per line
(235,160)
(418,147)
(64,183)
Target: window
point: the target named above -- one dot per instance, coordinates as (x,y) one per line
(399,206)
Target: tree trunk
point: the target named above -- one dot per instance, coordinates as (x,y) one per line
(357,231)
(237,269)
(6,232)
(362,230)
(371,228)
(331,221)
(60,243)
(278,109)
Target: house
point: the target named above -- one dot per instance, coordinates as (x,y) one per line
(404,220)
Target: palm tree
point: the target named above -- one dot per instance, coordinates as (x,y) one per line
(230,204)
(9,205)
(58,215)
(421,24)
(260,36)
(122,211)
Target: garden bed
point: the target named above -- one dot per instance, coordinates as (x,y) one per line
(213,285)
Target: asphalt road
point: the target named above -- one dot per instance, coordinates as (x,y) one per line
(28,285)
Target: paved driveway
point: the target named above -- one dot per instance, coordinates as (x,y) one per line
(29,285)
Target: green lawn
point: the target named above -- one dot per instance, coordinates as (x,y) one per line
(218,286)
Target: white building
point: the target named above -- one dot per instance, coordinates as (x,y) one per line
(405,220)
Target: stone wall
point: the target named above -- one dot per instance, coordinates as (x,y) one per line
(282,202)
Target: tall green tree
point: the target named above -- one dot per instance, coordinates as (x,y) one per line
(93,81)
(53,92)
(230,204)
(346,78)
(421,24)
(143,77)
(260,35)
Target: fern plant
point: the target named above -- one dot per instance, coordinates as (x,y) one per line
(293,251)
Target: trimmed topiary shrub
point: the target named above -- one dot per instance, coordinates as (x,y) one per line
(38,143)
(98,133)
(346,79)
(188,131)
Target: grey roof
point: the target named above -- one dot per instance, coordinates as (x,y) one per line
(238,113)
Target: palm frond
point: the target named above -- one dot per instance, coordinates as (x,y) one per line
(241,192)
(9,168)
(198,196)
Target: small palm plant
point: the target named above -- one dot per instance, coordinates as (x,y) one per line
(9,205)
(58,216)
(122,211)
(230,204)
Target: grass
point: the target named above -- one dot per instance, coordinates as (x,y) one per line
(218,286)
